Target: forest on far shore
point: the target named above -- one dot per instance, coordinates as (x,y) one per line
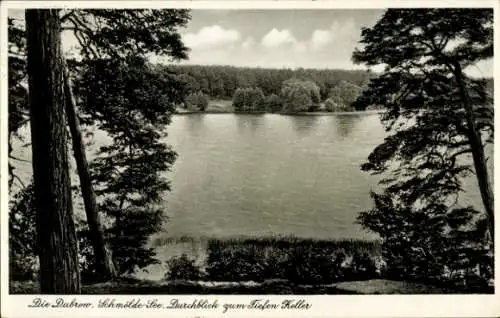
(273,90)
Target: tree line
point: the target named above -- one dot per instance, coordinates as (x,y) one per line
(220,82)
(229,83)
(274,90)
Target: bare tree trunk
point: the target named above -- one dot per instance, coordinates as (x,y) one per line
(478,156)
(482,178)
(105,267)
(58,249)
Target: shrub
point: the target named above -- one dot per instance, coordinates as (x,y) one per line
(274,264)
(23,258)
(308,262)
(274,103)
(197,101)
(23,255)
(442,246)
(300,95)
(234,262)
(310,266)
(183,268)
(249,99)
(345,93)
(335,104)
(364,266)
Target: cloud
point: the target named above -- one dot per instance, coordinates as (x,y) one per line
(321,38)
(211,36)
(330,45)
(248,43)
(339,32)
(345,30)
(276,38)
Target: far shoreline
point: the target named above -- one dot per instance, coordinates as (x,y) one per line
(211,112)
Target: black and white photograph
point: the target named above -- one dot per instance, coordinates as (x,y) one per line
(247,151)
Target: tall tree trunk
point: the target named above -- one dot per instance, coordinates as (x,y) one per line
(58,252)
(478,156)
(102,255)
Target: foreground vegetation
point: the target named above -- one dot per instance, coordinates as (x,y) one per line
(301,261)
(310,262)
(267,265)
(272,265)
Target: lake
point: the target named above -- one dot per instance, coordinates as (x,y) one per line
(257,175)
(270,174)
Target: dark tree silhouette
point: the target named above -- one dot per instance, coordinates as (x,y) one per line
(101,35)
(436,115)
(57,244)
(116,34)
(105,268)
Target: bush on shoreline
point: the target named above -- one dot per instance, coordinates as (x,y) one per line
(293,260)
(183,268)
(196,102)
(299,261)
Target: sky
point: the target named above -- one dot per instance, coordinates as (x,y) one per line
(276,38)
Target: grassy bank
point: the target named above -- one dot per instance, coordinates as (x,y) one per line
(214,107)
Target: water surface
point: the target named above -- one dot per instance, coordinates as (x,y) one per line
(268,174)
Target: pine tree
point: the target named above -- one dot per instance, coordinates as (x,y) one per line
(57,243)
(436,116)
(151,31)
(129,172)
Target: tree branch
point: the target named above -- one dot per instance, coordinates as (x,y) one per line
(79,23)
(443,43)
(18,159)
(14,176)
(67,16)
(462,152)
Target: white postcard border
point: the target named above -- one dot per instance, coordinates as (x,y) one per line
(322,306)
